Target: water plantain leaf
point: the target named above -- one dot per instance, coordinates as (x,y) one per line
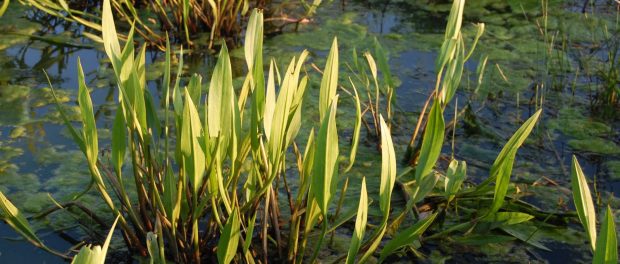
(270,100)
(153,248)
(219,112)
(5,5)
(507,218)
(388,168)
(253,47)
(406,237)
(583,202)
(119,140)
(95,254)
(382,63)
(329,82)
(360,225)
(195,88)
(17,221)
(192,152)
(606,244)
(356,130)
(502,167)
(388,178)
(325,171)
(110,38)
(229,240)
(89,128)
(431,142)
(455,19)
(424,187)
(456,174)
(282,110)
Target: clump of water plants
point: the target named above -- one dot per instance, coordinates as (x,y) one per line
(184,21)
(208,172)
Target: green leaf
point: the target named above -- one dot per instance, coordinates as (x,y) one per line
(406,237)
(119,140)
(325,171)
(152,244)
(382,63)
(507,218)
(456,174)
(89,128)
(424,187)
(5,5)
(360,225)
(329,82)
(502,167)
(110,38)
(14,218)
(431,142)
(606,244)
(583,202)
(229,240)
(195,88)
(95,254)
(193,154)
(356,130)
(388,169)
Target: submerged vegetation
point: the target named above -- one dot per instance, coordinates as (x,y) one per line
(233,176)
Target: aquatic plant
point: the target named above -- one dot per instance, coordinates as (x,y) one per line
(208,171)
(605,246)
(182,20)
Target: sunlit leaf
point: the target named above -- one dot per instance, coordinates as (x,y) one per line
(606,244)
(229,240)
(407,236)
(325,171)
(431,142)
(329,82)
(583,202)
(360,225)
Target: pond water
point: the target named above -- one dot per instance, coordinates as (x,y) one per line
(561,70)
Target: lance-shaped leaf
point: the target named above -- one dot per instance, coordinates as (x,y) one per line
(110,38)
(12,216)
(388,168)
(407,236)
(456,174)
(583,202)
(606,244)
(89,128)
(282,110)
(270,100)
(356,130)
(502,167)
(219,110)
(329,83)
(191,150)
(119,140)
(229,239)
(382,63)
(95,254)
(431,142)
(360,225)
(325,171)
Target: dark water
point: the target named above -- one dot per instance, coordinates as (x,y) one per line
(37,157)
